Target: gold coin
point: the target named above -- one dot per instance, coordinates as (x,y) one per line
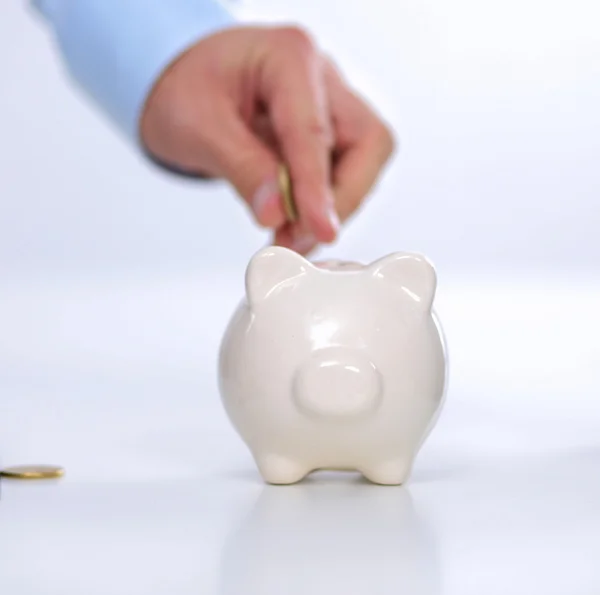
(285,186)
(33,472)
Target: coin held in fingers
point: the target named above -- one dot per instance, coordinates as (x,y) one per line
(287,194)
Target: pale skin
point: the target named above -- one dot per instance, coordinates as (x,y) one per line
(242,101)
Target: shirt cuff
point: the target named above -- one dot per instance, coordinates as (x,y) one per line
(116,50)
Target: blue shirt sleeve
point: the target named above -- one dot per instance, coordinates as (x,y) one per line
(117,49)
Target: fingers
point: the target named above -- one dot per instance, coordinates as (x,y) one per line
(364,146)
(203,131)
(293,86)
(249,164)
(358,169)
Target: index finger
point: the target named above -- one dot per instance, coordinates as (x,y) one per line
(295,92)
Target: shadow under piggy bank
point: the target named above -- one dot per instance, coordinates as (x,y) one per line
(332,537)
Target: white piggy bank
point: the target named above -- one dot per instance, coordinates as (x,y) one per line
(334,365)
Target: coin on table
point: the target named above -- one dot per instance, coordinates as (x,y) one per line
(33,472)
(285,186)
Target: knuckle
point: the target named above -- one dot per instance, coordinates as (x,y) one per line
(320,130)
(314,130)
(296,38)
(385,139)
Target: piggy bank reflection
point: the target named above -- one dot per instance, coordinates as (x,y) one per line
(334,365)
(320,539)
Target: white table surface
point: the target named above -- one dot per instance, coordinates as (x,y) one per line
(115,380)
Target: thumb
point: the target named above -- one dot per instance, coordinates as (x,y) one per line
(250,166)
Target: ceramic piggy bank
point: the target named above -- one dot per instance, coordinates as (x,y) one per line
(334,365)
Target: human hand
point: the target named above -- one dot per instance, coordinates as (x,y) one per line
(242,101)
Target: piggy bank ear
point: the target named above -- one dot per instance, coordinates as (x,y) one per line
(412,274)
(271,268)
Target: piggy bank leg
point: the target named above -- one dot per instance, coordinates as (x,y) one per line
(280,470)
(393,472)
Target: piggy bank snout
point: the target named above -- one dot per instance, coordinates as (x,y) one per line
(337,383)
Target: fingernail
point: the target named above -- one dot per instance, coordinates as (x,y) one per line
(267,192)
(333,217)
(330,211)
(304,243)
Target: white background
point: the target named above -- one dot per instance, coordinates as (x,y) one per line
(116,282)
